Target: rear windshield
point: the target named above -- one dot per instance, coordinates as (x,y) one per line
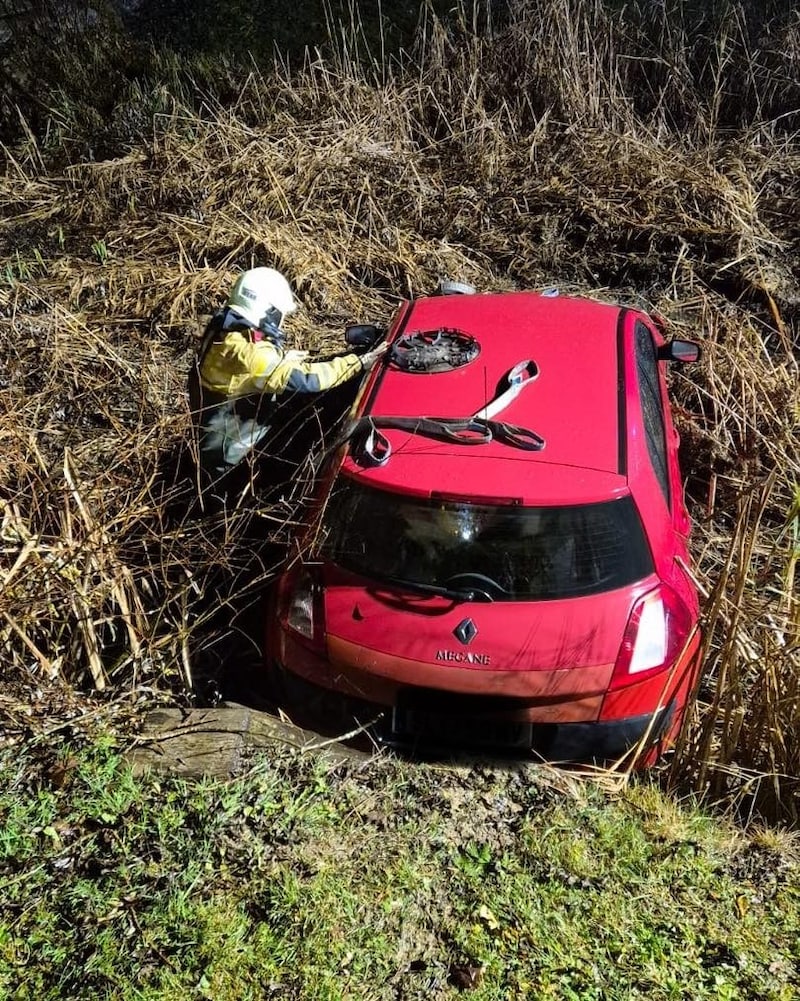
(524,552)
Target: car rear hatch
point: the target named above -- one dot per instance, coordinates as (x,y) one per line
(478,598)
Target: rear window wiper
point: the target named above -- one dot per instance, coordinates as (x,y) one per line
(454,594)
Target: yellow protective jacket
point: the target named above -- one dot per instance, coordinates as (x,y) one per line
(234,365)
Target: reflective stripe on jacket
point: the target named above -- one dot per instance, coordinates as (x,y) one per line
(236,366)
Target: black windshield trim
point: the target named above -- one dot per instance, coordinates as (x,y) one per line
(622,414)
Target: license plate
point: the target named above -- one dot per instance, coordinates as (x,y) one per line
(463,731)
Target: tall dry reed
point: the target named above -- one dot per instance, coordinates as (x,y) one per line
(642,153)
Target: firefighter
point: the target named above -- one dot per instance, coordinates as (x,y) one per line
(243,368)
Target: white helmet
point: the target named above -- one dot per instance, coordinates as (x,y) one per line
(262,297)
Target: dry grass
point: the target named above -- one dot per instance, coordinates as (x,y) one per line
(625,156)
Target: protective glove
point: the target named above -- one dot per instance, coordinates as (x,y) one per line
(295,356)
(369,359)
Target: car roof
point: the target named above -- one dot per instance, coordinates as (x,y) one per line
(574,402)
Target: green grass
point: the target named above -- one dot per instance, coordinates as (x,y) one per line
(383,880)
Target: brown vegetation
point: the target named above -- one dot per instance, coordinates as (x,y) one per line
(632,155)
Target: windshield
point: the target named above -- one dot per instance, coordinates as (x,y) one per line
(507,551)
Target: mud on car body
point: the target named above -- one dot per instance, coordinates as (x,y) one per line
(498,550)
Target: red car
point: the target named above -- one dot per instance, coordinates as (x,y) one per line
(497,555)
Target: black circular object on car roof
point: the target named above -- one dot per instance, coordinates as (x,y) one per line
(431,351)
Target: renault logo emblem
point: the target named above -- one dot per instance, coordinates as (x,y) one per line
(466,631)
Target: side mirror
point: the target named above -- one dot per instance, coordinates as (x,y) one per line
(680,351)
(362,335)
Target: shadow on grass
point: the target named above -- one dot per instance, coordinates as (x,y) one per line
(262,27)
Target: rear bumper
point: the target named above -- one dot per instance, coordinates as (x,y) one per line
(603,741)
(427,721)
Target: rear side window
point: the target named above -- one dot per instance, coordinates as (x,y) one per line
(652,409)
(525,552)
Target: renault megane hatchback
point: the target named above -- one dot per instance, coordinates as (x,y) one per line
(497,554)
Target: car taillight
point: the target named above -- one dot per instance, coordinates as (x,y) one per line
(657,630)
(303,606)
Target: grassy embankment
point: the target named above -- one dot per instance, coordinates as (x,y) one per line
(382,881)
(647,153)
